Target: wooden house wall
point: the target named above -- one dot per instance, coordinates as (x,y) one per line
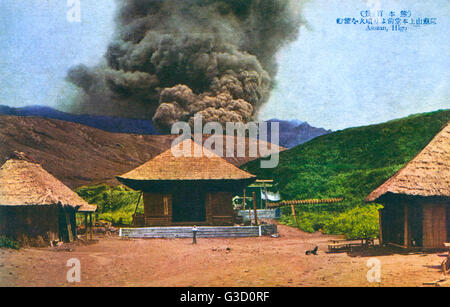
(158,209)
(448,222)
(221,208)
(37,225)
(425,222)
(434,225)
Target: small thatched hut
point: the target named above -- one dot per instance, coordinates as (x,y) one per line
(35,207)
(187,189)
(416,199)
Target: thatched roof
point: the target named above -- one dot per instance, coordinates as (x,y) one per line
(166,166)
(87,208)
(428,174)
(23,182)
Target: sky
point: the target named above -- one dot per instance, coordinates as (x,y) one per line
(337,76)
(334,76)
(38,45)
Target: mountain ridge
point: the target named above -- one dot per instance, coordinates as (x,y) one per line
(81,155)
(106,123)
(295,132)
(292,132)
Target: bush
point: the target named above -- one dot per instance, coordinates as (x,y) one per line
(117,218)
(6,242)
(358,223)
(308,221)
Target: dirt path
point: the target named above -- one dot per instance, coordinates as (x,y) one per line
(261,261)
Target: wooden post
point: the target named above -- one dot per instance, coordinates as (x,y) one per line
(380,226)
(255,209)
(260,196)
(265,191)
(90,226)
(294,214)
(250,212)
(69,226)
(86,225)
(57,222)
(406,233)
(135,210)
(243,202)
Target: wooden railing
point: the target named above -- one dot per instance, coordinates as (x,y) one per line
(305,202)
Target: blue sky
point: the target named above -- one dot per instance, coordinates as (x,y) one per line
(338,76)
(334,76)
(38,45)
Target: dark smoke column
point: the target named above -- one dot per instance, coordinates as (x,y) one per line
(172,59)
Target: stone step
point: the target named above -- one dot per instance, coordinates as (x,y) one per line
(203,232)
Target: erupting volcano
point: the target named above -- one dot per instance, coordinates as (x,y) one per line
(172,59)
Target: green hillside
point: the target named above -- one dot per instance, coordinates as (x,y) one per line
(348,163)
(115,204)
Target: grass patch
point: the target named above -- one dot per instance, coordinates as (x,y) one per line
(6,242)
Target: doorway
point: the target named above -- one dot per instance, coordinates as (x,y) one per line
(415,223)
(188,205)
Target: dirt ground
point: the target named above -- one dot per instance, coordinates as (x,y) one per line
(263,261)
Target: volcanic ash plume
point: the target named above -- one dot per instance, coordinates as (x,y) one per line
(172,59)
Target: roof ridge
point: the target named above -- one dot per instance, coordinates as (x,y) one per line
(19,155)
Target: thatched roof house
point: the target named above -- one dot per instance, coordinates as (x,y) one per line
(189,189)
(416,199)
(26,183)
(34,205)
